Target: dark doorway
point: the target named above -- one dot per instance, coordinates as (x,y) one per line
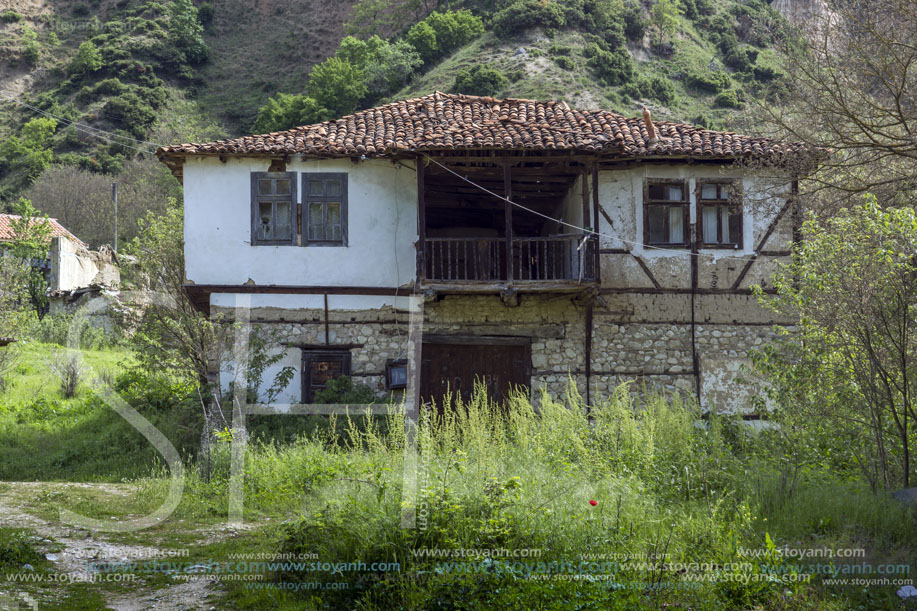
(501,363)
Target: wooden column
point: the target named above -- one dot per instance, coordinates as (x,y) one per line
(595,220)
(421,222)
(508,216)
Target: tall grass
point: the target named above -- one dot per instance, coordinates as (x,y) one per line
(563,483)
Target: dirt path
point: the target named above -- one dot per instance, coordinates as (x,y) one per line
(82,547)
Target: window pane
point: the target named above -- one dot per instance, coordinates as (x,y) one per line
(283,186)
(708,220)
(676,225)
(334,213)
(657,191)
(316,222)
(332,188)
(735,226)
(326,369)
(675,194)
(708,191)
(265,220)
(333,233)
(656,220)
(283,229)
(264,187)
(316,187)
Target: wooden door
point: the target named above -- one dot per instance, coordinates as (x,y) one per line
(500,364)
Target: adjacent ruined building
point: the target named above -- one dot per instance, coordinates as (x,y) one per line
(537,244)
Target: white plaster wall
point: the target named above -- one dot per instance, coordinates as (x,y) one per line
(382,227)
(69,271)
(621,195)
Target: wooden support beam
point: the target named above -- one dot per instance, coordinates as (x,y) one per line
(595,221)
(508,212)
(767,234)
(421,222)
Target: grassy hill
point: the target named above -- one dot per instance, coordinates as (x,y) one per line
(113,78)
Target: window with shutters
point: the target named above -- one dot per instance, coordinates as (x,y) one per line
(719,214)
(324,209)
(665,213)
(320,366)
(273,208)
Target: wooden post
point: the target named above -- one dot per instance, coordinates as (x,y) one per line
(508,215)
(421,222)
(595,220)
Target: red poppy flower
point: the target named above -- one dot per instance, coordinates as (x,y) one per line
(593,503)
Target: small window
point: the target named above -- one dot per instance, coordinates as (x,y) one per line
(665,213)
(719,206)
(273,208)
(320,366)
(325,218)
(396,373)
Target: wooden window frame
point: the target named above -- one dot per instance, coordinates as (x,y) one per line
(256,200)
(310,199)
(311,354)
(391,364)
(685,204)
(720,202)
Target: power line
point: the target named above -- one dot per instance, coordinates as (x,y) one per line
(583,229)
(89,130)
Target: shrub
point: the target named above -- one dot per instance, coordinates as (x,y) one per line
(67,366)
(10,16)
(728,99)
(613,67)
(134,114)
(712,81)
(634,23)
(557,50)
(565,62)
(80,9)
(656,87)
(480,79)
(523,15)
(442,33)
(343,390)
(422,37)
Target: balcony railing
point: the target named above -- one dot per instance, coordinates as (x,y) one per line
(565,259)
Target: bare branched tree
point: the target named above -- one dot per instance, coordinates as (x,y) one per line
(853,90)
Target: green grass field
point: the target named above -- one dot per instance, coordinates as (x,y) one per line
(635,508)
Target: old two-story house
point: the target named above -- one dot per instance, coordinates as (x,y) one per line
(548,244)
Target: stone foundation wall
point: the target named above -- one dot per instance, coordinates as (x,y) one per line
(657,354)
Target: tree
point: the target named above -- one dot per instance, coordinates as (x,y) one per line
(88,58)
(31,240)
(854,75)
(337,85)
(186,31)
(852,368)
(81,200)
(286,111)
(25,156)
(174,337)
(422,37)
(664,16)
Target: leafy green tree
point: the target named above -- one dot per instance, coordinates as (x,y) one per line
(186,31)
(31,240)
(286,111)
(88,59)
(391,67)
(521,15)
(480,79)
(664,16)
(31,49)
(422,37)
(337,85)
(852,366)
(24,157)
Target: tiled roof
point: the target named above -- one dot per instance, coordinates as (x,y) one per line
(7,235)
(442,121)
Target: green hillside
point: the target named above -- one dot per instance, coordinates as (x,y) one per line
(95,84)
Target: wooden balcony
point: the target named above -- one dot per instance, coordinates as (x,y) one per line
(555,262)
